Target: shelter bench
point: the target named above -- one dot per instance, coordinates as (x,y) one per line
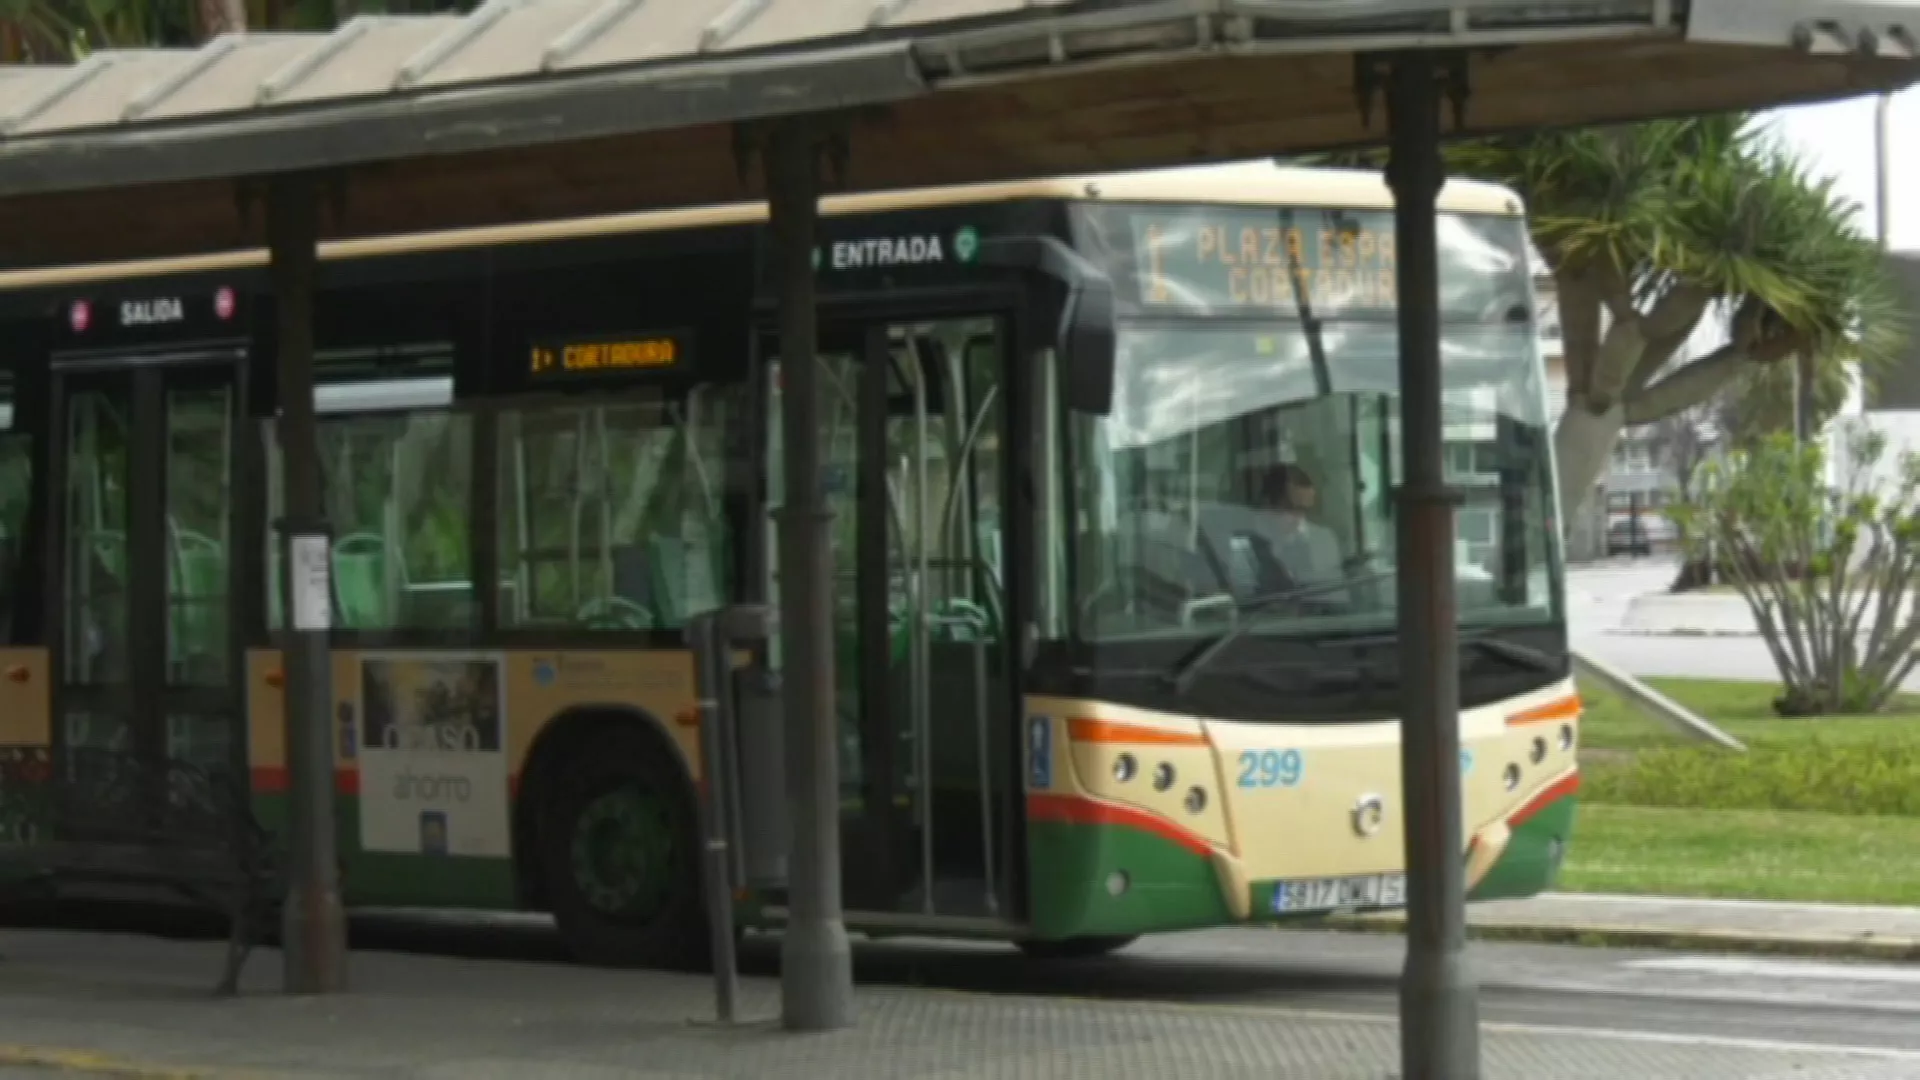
(109,817)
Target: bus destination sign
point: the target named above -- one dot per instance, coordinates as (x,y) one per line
(1227,259)
(624,353)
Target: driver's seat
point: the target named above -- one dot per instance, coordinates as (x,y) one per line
(1268,574)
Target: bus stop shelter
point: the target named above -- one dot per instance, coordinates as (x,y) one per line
(539,109)
(532,109)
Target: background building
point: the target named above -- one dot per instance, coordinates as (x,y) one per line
(1893,405)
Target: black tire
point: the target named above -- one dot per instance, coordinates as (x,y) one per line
(669,927)
(1077,948)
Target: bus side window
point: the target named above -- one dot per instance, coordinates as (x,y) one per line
(611,517)
(16,493)
(399,502)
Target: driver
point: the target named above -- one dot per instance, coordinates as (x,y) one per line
(1306,549)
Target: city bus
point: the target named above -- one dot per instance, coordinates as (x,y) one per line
(1111,462)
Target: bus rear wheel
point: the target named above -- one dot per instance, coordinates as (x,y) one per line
(1077,948)
(618,845)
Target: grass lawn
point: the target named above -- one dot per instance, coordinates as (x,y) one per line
(1744,854)
(1817,810)
(1741,709)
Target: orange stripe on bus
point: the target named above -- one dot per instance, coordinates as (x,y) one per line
(1567,708)
(1083,729)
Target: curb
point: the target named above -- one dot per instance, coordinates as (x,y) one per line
(1680,631)
(1865,947)
(88,1063)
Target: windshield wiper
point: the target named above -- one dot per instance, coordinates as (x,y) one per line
(1309,323)
(1515,653)
(1479,638)
(1182,675)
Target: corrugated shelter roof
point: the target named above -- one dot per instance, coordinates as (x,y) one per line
(539,108)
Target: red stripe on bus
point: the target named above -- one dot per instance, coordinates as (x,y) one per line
(274,780)
(1547,796)
(1079,810)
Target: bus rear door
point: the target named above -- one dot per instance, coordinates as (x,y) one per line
(145,517)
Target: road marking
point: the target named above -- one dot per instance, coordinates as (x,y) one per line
(1627,899)
(1509,1027)
(1747,967)
(91,1064)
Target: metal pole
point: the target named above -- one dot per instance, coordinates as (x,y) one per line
(816,962)
(314,925)
(1439,1013)
(712,667)
(1883,169)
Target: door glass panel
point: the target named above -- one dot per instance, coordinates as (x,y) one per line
(199,512)
(98,634)
(911,453)
(839,457)
(201,739)
(944,439)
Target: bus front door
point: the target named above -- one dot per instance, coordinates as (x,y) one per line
(912,429)
(144,505)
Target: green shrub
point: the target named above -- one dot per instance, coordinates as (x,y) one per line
(1880,777)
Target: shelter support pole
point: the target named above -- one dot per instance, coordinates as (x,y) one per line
(816,961)
(313,919)
(1439,1013)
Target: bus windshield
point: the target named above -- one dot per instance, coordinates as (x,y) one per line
(1245,474)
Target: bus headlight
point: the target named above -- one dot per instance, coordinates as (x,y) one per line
(1566,736)
(1511,777)
(1196,800)
(1125,768)
(1539,753)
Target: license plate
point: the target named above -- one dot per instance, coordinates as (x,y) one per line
(1339,893)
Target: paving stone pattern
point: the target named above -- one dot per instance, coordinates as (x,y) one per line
(438,1018)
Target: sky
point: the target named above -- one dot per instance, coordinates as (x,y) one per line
(1837,139)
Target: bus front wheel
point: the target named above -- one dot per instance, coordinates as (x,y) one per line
(618,845)
(1076,948)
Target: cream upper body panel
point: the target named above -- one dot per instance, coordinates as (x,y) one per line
(1255,183)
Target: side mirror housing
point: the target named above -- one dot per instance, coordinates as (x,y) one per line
(1085,338)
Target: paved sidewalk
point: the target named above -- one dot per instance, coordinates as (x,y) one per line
(130,1006)
(1674,922)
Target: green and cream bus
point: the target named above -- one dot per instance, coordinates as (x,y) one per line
(1111,461)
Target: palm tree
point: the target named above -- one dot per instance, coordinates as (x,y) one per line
(221,17)
(1651,228)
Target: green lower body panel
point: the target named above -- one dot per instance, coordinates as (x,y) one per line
(399,879)
(1100,870)
(1531,863)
